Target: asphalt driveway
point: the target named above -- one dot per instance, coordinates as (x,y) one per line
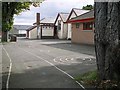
(45,63)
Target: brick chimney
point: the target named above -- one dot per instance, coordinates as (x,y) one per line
(38,18)
(38,25)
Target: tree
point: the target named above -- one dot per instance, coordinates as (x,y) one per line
(0,17)
(8,11)
(107,40)
(88,7)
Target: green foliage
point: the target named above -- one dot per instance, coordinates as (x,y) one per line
(88,7)
(87,78)
(11,8)
(90,79)
(22,1)
(8,11)
(0,15)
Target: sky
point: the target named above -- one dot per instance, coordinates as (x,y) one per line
(49,8)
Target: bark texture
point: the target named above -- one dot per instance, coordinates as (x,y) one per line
(107,36)
(4,36)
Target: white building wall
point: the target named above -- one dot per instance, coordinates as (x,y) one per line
(62,34)
(49,31)
(22,31)
(65,30)
(69,35)
(59,32)
(69,31)
(33,33)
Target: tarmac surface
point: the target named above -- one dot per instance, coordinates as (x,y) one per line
(47,63)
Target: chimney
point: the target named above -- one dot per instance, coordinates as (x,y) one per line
(38,18)
(38,25)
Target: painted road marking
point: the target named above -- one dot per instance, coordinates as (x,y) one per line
(10,68)
(60,62)
(72,58)
(55,67)
(68,61)
(48,50)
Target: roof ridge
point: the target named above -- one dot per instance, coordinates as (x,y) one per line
(80,9)
(84,13)
(77,8)
(63,13)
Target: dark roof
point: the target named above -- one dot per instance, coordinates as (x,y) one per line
(21,27)
(86,15)
(30,28)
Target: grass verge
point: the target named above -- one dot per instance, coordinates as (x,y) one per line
(91,80)
(88,78)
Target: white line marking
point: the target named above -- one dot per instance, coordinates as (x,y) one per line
(48,50)
(90,59)
(10,68)
(84,58)
(66,59)
(54,60)
(72,59)
(60,62)
(56,68)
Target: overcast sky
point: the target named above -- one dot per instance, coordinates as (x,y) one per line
(49,8)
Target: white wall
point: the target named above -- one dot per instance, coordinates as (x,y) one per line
(33,33)
(65,30)
(69,31)
(49,31)
(62,34)
(69,35)
(59,32)
(22,31)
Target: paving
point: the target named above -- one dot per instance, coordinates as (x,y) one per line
(47,63)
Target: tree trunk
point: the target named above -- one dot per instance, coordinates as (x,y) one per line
(107,22)
(4,36)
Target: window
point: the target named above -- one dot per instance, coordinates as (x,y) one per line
(77,25)
(88,26)
(59,25)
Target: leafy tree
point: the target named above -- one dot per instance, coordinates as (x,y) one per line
(9,9)
(107,40)
(88,7)
(0,16)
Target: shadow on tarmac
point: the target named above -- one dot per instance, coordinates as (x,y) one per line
(80,48)
(46,77)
